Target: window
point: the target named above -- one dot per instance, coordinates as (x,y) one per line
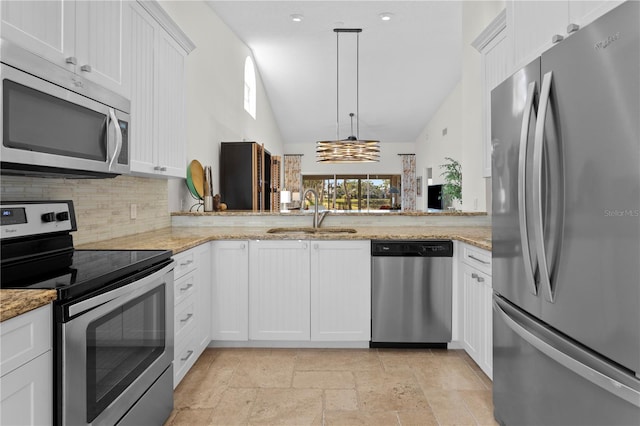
(250,87)
(356,193)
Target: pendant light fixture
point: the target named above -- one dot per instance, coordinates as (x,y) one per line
(352,149)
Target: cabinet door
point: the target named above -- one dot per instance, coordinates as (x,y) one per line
(531,26)
(170,107)
(102,41)
(341,290)
(472,313)
(46,28)
(203,295)
(26,394)
(279,290)
(142,46)
(230,295)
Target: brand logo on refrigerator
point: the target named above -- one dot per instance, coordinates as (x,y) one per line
(603,44)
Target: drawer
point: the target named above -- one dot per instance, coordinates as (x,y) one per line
(185,263)
(185,356)
(476,257)
(184,319)
(25,337)
(184,287)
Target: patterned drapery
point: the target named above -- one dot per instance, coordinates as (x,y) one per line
(408,182)
(293,173)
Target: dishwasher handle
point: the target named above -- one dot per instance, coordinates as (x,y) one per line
(412,248)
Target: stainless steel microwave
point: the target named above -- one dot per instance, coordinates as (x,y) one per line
(56,123)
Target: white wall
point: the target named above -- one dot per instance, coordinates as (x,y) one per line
(461,114)
(432,146)
(390,162)
(214,98)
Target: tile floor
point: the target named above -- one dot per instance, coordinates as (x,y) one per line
(333,387)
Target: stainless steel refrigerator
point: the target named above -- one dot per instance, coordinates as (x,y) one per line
(566,231)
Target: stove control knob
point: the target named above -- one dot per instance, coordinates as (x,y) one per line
(49,217)
(62,216)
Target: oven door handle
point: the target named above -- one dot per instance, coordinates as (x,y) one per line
(139,286)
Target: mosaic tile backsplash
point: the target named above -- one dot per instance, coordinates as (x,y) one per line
(103,206)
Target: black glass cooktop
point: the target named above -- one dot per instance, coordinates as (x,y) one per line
(81,272)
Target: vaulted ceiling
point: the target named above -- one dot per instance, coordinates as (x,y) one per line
(406,65)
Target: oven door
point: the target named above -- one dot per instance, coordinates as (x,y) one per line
(114,348)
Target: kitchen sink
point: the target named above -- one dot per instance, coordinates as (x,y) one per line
(310,230)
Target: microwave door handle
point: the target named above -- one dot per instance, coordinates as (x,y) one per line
(116,126)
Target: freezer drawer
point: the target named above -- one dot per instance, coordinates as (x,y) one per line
(542,378)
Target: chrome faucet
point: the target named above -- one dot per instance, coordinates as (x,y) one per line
(316,221)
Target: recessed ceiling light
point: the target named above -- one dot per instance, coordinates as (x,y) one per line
(386,16)
(296,17)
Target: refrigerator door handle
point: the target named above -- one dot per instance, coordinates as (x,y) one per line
(529,266)
(554,204)
(607,383)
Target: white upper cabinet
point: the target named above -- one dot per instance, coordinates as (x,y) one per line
(496,63)
(534,26)
(158,124)
(85,37)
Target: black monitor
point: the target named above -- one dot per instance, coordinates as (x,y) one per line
(434,197)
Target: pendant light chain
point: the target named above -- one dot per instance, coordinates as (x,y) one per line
(352,149)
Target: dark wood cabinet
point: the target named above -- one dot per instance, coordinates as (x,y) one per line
(246,178)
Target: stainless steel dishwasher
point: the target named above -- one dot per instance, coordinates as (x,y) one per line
(411,293)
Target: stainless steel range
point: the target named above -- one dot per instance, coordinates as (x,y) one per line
(113,334)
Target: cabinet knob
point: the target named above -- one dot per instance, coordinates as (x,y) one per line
(316,246)
(304,246)
(572,28)
(71,60)
(163,169)
(557,38)
(156,168)
(85,68)
(242,246)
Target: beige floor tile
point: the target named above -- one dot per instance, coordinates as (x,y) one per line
(417,418)
(287,407)
(263,372)
(340,399)
(449,408)
(324,379)
(202,390)
(234,407)
(188,417)
(480,404)
(389,391)
(365,418)
(338,360)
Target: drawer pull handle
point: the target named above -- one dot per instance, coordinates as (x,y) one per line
(477,277)
(187,263)
(484,262)
(189,353)
(185,288)
(187,318)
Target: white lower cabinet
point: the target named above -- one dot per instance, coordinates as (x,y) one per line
(26,366)
(279,293)
(192,319)
(230,287)
(477,320)
(340,290)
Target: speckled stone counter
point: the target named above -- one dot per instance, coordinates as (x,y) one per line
(17,302)
(179,239)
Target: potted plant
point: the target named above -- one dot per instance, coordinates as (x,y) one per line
(452,188)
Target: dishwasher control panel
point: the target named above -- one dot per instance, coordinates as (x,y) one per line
(412,248)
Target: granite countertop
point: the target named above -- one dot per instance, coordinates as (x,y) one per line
(17,302)
(178,239)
